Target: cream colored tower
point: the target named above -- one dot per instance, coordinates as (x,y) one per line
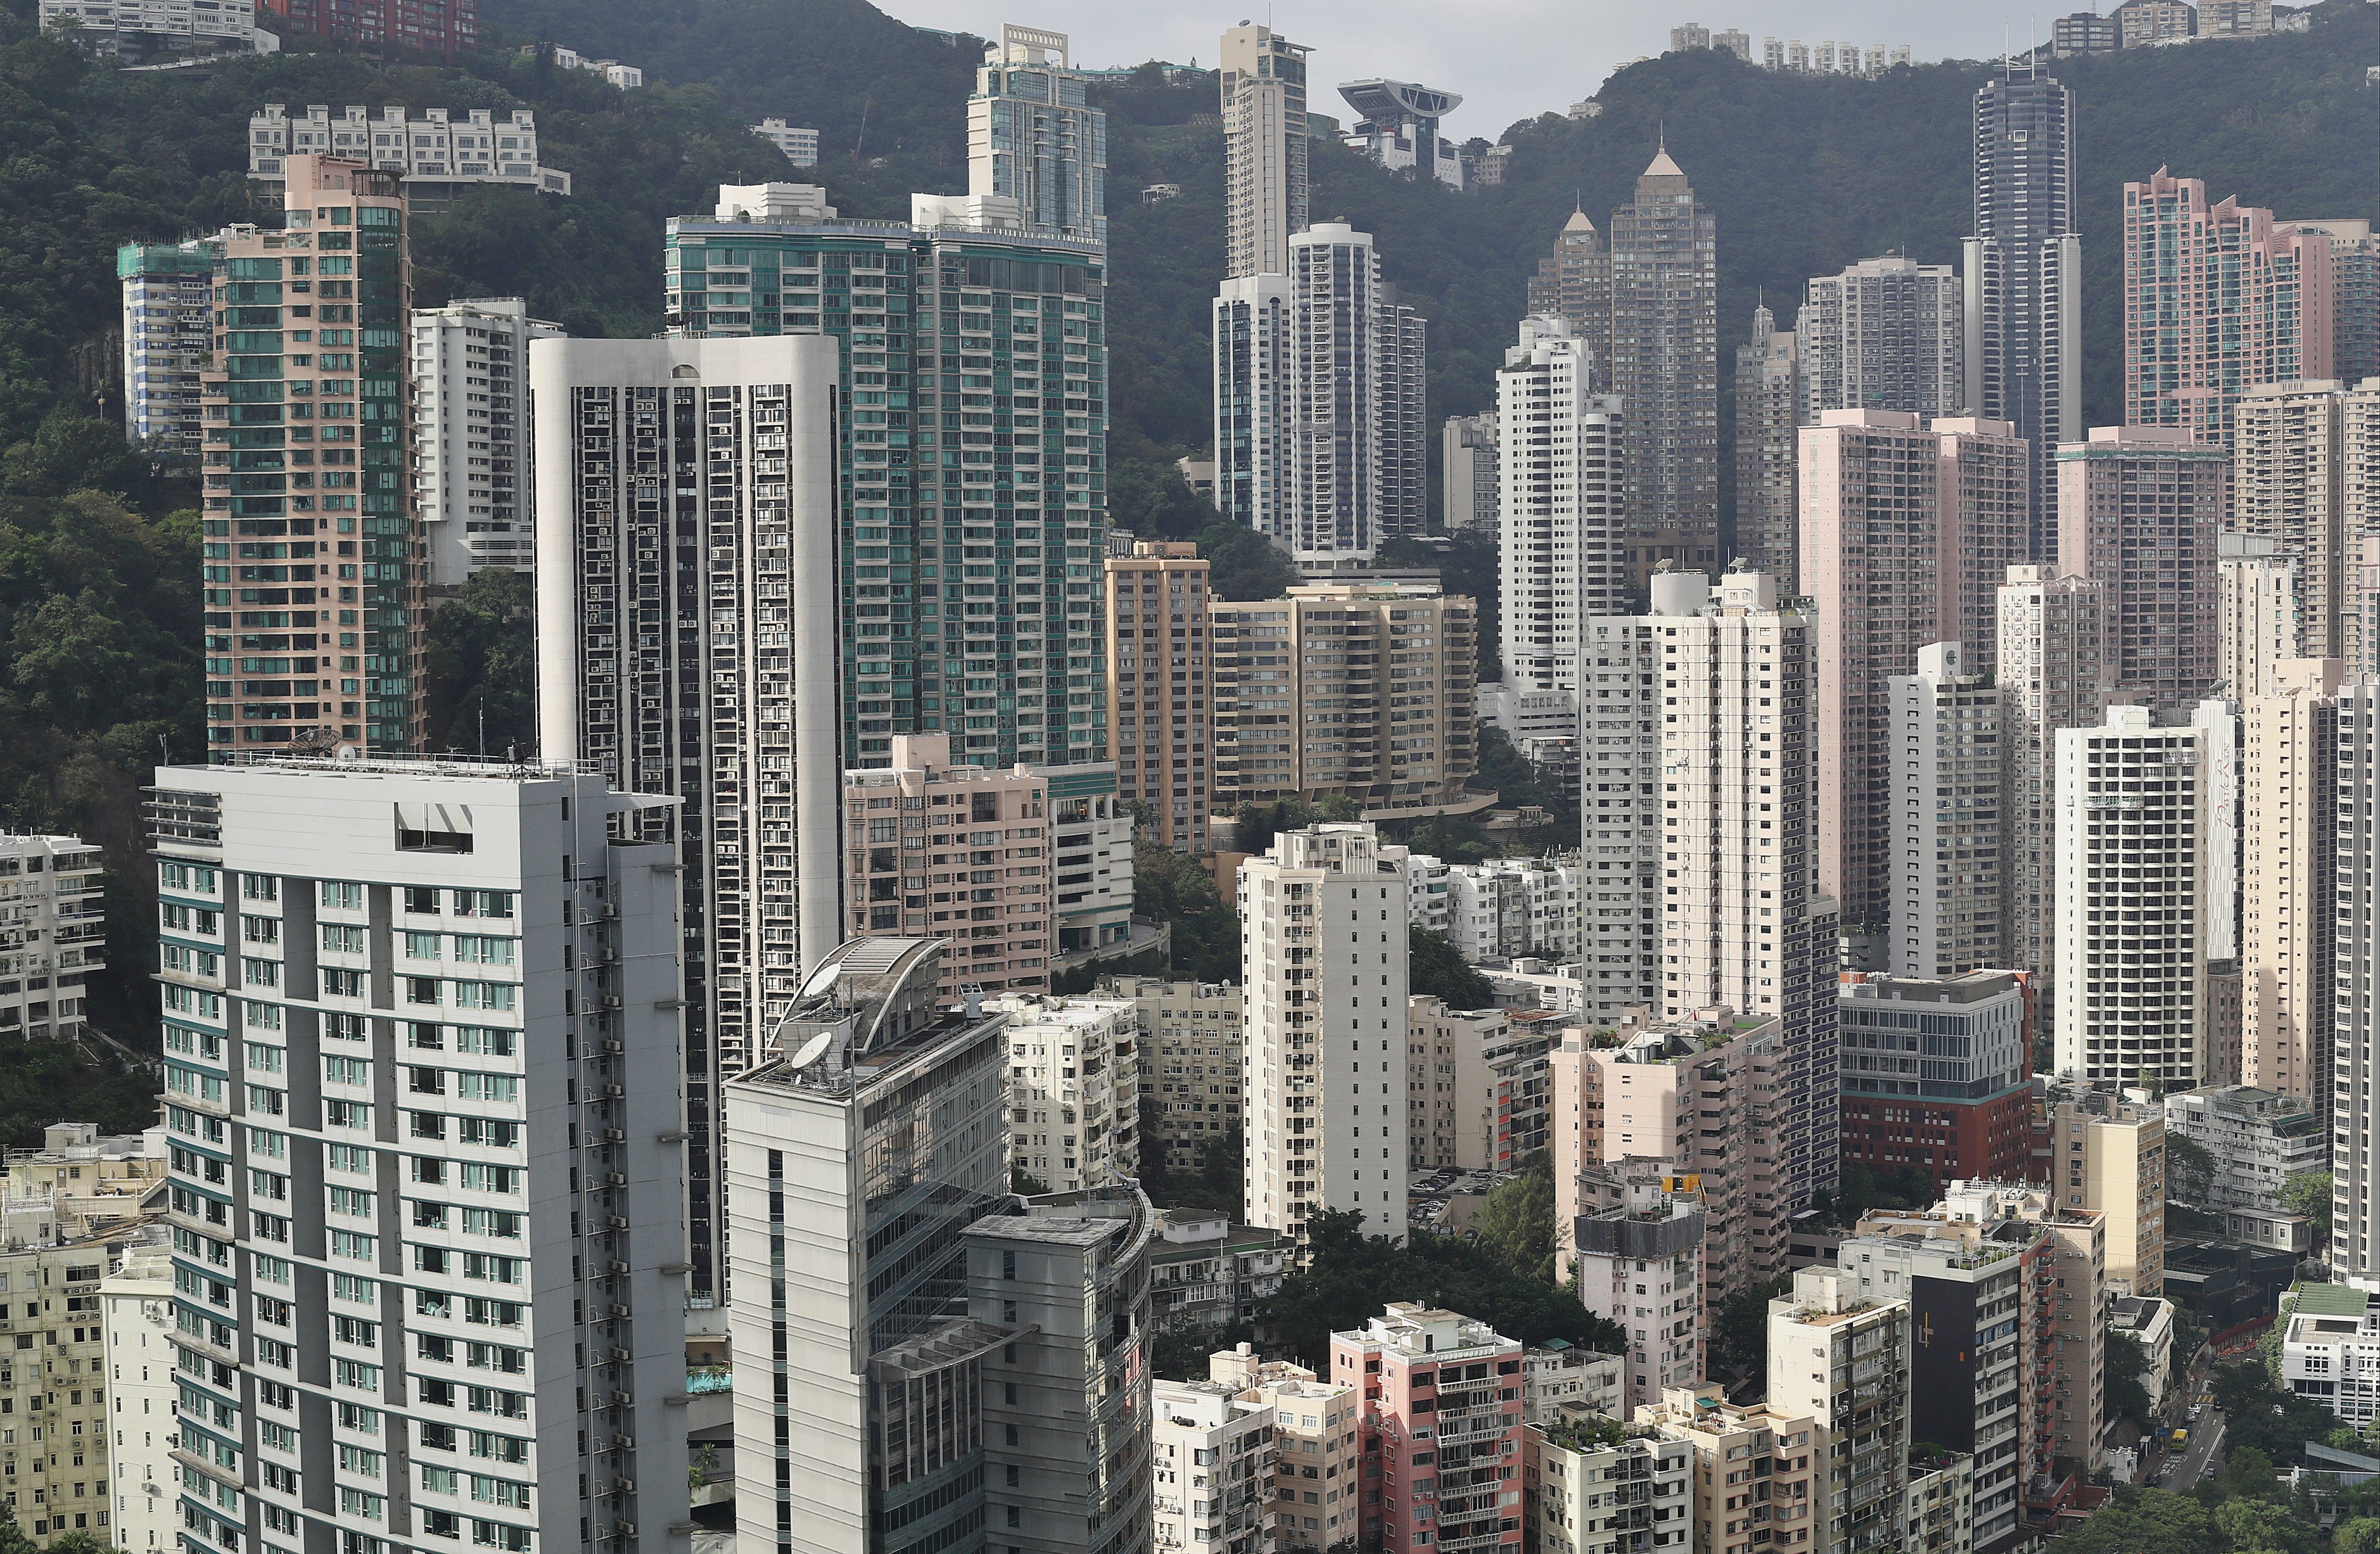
(2290,781)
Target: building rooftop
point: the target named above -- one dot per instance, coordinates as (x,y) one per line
(1973,988)
(2328,1300)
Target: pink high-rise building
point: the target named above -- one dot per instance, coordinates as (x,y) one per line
(1906,531)
(1441,1429)
(2217,300)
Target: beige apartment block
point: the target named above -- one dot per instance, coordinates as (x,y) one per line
(2257,593)
(1592,1485)
(1476,1083)
(956,851)
(1316,1425)
(2107,1153)
(1073,1084)
(1262,77)
(2360,475)
(1193,1065)
(1840,1357)
(1160,688)
(1729,1518)
(2289,880)
(1368,691)
(1948,863)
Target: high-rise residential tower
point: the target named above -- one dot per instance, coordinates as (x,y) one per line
(1767,446)
(1948,867)
(2287,485)
(1745,924)
(1319,390)
(1620,848)
(685,507)
(2289,880)
(2217,300)
(2132,805)
(1015,319)
(1033,137)
(1886,333)
(1906,531)
(305,652)
(1324,969)
(2355,1056)
(2023,275)
(2055,671)
(169,341)
(1156,614)
(1574,283)
(2139,506)
(472,457)
(1563,528)
(1665,366)
(1263,79)
(423,1086)
(2354,297)
(2257,600)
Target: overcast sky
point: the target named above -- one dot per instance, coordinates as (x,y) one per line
(1509,59)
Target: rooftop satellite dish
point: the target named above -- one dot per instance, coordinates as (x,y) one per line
(813,1050)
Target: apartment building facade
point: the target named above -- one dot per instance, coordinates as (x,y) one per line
(1965,1113)
(2139,506)
(1444,1481)
(1160,688)
(1193,1065)
(472,460)
(423,1214)
(1948,862)
(1404,659)
(1323,951)
(314,460)
(1072,1070)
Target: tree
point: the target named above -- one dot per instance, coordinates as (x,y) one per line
(1246,565)
(479,666)
(1349,1275)
(2189,1169)
(2358,1536)
(2124,1364)
(1740,1328)
(2308,1193)
(1435,968)
(1515,1223)
(2144,1521)
(1024,1183)
(1171,888)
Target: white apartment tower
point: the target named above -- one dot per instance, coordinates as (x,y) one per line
(2131,977)
(1839,1356)
(1945,818)
(2256,601)
(1319,391)
(1619,846)
(422,1092)
(1323,966)
(1033,137)
(686,515)
(1743,926)
(2055,671)
(2289,880)
(1563,528)
(2355,1058)
(1263,79)
(471,452)
(2287,485)
(137,1312)
(168,292)
(52,933)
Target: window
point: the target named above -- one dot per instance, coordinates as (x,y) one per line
(341,895)
(350,1200)
(483,903)
(500,1087)
(342,939)
(422,946)
(482,949)
(346,1070)
(483,1042)
(354,1245)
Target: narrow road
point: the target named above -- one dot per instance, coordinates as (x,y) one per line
(2206,1444)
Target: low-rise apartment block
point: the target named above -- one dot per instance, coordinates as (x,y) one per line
(52,933)
(2107,1153)
(2259,1141)
(1562,1373)
(1595,1484)
(433,155)
(1211,1464)
(1318,1436)
(1206,1271)
(1192,1065)
(1755,1482)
